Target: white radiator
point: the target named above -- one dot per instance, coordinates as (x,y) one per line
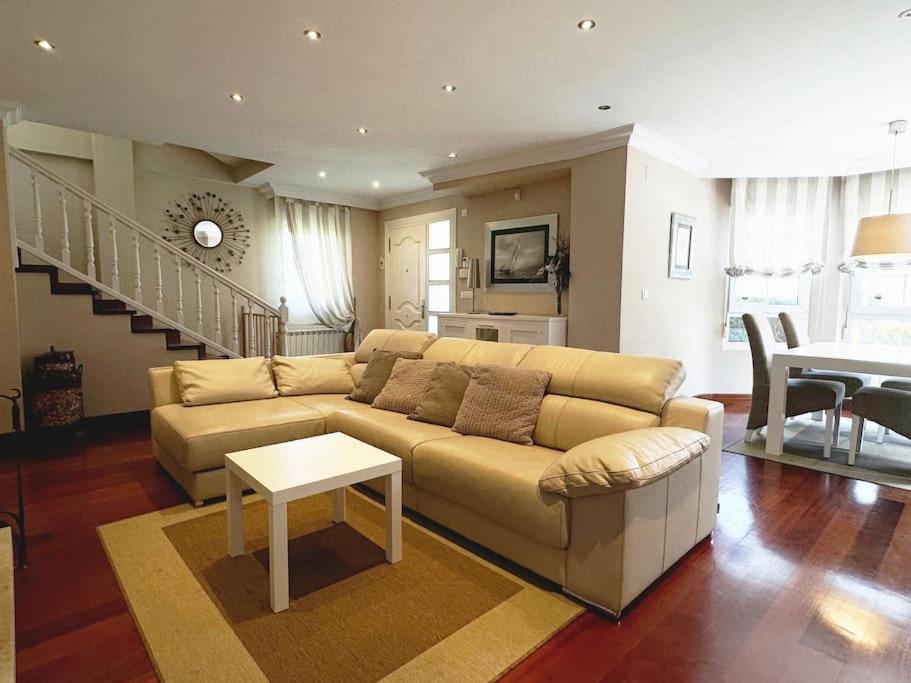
(311,340)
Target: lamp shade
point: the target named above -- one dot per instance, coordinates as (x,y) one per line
(883,236)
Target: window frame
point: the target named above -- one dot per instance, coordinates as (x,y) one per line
(857,310)
(800,310)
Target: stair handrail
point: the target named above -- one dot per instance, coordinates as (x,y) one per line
(131,223)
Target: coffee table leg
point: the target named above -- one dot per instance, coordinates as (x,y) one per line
(338,505)
(234,489)
(394,517)
(278,557)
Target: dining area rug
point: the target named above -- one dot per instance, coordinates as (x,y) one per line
(441,613)
(888,463)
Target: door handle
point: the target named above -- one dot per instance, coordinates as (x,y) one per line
(423,308)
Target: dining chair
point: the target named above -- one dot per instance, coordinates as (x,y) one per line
(803,395)
(886,406)
(794,336)
(904,385)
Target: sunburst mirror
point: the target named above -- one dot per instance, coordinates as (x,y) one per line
(209,229)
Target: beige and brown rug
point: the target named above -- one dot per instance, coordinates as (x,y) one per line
(439,614)
(888,463)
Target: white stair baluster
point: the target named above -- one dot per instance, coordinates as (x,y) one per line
(159,287)
(115,259)
(36,208)
(235,339)
(137,270)
(268,336)
(65,252)
(198,300)
(178,262)
(217,313)
(89,239)
(252,327)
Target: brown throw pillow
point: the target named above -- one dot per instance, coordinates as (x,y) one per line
(376,373)
(407,382)
(440,403)
(502,403)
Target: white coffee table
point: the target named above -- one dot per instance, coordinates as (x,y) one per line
(287,471)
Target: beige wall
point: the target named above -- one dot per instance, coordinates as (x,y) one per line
(10,377)
(681,318)
(366,276)
(114,359)
(550,196)
(598,186)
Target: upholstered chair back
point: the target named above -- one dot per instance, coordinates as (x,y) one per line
(794,336)
(762,341)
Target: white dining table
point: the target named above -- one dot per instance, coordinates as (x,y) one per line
(866,358)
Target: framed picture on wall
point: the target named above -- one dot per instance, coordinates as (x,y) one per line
(515,252)
(680,256)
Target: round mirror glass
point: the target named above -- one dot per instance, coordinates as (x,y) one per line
(207,234)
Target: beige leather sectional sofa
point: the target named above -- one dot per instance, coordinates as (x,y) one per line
(605,549)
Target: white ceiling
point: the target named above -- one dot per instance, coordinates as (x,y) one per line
(752,87)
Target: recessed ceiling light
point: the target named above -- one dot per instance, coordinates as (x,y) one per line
(237,97)
(45,45)
(376,184)
(321,174)
(905,15)
(586,24)
(604,107)
(449,87)
(452,155)
(361,130)
(310,34)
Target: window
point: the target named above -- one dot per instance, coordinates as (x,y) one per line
(765,295)
(439,272)
(880,308)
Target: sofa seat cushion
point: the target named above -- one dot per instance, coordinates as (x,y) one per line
(326,404)
(391,432)
(498,480)
(198,437)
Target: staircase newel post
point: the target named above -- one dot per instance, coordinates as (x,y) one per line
(217,313)
(280,343)
(89,239)
(159,287)
(65,253)
(137,270)
(36,206)
(179,265)
(252,327)
(115,259)
(235,341)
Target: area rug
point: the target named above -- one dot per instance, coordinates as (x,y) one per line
(888,463)
(441,613)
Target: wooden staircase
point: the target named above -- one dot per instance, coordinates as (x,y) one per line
(139,323)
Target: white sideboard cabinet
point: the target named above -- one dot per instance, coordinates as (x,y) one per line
(516,329)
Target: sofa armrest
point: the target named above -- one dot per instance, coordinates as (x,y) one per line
(622,461)
(163,387)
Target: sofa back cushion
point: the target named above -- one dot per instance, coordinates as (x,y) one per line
(393,340)
(303,375)
(204,382)
(564,422)
(471,352)
(637,382)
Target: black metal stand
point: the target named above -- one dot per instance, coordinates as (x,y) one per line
(18,518)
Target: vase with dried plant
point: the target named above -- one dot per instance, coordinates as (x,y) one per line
(557,264)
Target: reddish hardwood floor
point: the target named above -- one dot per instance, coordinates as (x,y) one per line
(806,577)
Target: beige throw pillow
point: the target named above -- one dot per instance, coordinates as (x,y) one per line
(204,382)
(376,373)
(502,403)
(440,403)
(311,375)
(406,385)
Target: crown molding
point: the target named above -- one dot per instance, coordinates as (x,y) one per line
(654,145)
(309,194)
(11,113)
(416,197)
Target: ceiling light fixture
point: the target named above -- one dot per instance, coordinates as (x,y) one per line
(586,24)
(449,87)
(452,155)
(376,184)
(45,45)
(905,14)
(361,130)
(604,107)
(321,174)
(311,34)
(237,97)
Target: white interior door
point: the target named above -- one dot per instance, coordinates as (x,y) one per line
(406,277)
